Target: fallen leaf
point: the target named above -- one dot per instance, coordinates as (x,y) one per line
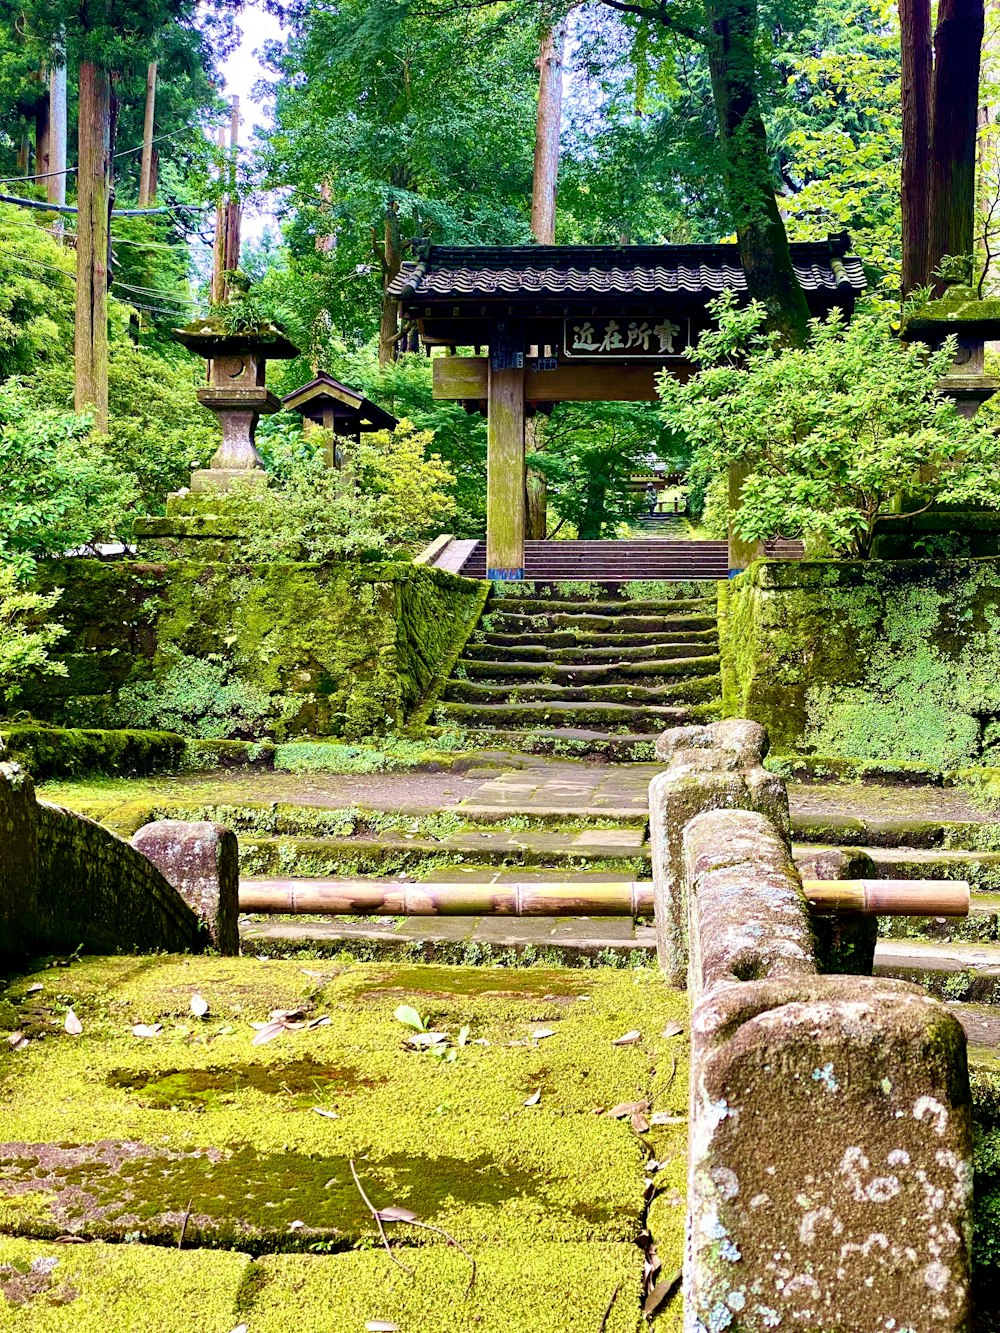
(463,1036)
(427,1038)
(310,972)
(535,1098)
(285,1015)
(672,1030)
(623,1109)
(72,1024)
(147,1029)
(664,1118)
(199,1005)
(34,988)
(661,1293)
(317,1022)
(241,1328)
(380,1326)
(629,1039)
(408,1016)
(330,1115)
(639,1122)
(296,1225)
(18,1040)
(541,1033)
(395,1214)
(267,1032)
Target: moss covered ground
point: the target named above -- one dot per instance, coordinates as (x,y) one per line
(197,1133)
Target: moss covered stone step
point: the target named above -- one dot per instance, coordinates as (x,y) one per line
(706,605)
(694,645)
(896,832)
(619,849)
(587,639)
(685,689)
(569,742)
(199,1131)
(956,971)
(588,673)
(644,719)
(503,623)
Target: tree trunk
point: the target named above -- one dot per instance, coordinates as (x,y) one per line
(535,485)
(915,85)
(392,262)
(547,126)
(55,185)
(957,45)
(93,203)
(42,167)
(749,178)
(146,167)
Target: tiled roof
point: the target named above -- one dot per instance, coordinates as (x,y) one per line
(596,270)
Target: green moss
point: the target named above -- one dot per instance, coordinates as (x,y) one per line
(56,752)
(453,1140)
(276,650)
(878,660)
(122,1288)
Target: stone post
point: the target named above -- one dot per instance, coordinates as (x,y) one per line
(201,860)
(719,765)
(18,859)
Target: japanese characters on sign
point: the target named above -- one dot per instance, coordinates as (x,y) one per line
(626,337)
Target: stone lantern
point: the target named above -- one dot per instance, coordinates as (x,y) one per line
(974,322)
(235,392)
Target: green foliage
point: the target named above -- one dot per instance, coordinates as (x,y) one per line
(389,493)
(25,637)
(833,432)
(201,697)
(589,454)
(36,293)
(57,489)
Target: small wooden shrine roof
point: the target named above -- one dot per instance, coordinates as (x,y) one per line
(351,411)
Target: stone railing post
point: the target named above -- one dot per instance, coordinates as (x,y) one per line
(829,1156)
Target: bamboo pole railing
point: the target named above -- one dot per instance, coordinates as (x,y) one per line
(882,897)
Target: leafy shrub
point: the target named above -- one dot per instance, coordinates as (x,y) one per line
(25,637)
(833,433)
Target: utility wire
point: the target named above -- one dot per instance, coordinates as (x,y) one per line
(115,212)
(68,171)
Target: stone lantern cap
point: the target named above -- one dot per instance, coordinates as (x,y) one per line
(208,338)
(960,311)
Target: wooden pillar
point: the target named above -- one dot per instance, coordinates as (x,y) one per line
(505,475)
(741,553)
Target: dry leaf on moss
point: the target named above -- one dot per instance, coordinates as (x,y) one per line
(629,1039)
(535,1098)
(199,1005)
(72,1024)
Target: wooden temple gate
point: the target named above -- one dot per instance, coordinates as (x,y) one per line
(576,323)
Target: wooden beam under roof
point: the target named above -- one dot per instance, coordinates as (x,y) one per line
(465,379)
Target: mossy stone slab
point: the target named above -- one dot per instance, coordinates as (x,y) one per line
(107,1133)
(47,1288)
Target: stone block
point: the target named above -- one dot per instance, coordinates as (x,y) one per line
(18,858)
(830,1179)
(201,860)
(843,943)
(708,767)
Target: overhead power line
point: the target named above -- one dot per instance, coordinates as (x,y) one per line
(115,212)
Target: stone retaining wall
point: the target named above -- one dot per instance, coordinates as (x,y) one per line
(830,1178)
(66,883)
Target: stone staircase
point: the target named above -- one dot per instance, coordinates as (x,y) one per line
(586,670)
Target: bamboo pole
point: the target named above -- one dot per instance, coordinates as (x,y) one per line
(360,898)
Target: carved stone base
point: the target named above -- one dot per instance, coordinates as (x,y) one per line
(221,478)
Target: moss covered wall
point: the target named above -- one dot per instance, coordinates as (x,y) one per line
(275,650)
(870,660)
(67,883)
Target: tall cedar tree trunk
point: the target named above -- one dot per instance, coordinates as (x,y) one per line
(543,227)
(915,86)
(749,178)
(93,202)
(391,257)
(146,164)
(547,126)
(958,41)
